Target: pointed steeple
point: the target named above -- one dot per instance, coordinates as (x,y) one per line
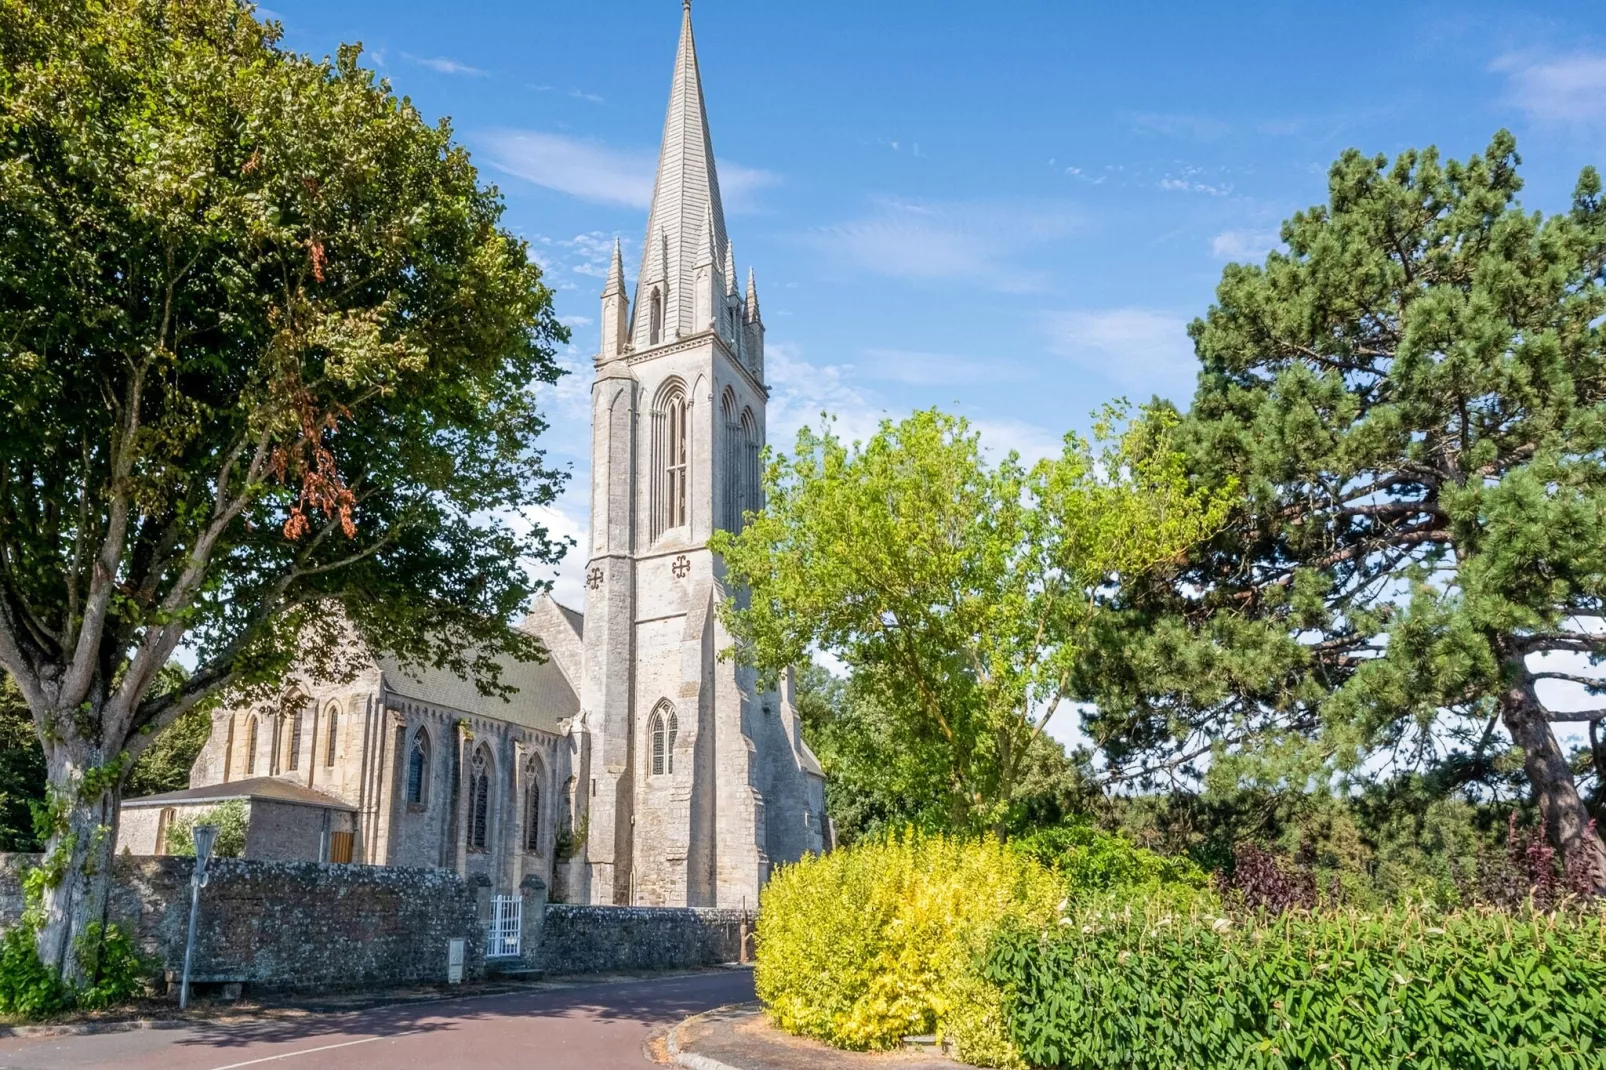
(616,273)
(615,313)
(685,194)
(752,298)
(730,270)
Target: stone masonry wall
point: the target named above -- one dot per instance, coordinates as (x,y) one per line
(292,925)
(588,939)
(305,926)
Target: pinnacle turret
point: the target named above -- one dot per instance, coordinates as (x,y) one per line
(752,298)
(616,273)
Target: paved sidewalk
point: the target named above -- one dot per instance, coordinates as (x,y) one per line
(742,1039)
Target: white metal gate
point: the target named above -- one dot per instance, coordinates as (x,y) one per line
(507,921)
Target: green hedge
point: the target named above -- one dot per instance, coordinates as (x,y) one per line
(1465,991)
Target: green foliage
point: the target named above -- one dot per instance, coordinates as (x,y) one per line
(165,763)
(117,971)
(864,945)
(883,773)
(106,955)
(1094,861)
(28,988)
(959,592)
(1412,396)
(1462,991)
(231,821)
(22,772)
(270,364)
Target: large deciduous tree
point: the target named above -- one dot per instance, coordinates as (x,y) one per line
(959,591)
(267,363)
(1413,395)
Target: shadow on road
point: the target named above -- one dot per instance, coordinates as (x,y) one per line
(648,1002)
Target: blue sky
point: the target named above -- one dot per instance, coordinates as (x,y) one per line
(1009,209)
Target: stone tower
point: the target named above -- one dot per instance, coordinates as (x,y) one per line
(690,783)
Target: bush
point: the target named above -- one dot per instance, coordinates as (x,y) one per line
(230,819)
(868,944)
(1092,860)
(1463,991)
(28,989)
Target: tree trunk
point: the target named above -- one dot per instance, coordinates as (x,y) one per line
(1565,816)
(83,795)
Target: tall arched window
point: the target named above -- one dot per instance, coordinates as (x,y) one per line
(747,494)
(661,728)
(292,758)
(479,800)
(671,445)
(730,511)
(532,806)
(418,769)
(655,318)
(251,745)
(331,735)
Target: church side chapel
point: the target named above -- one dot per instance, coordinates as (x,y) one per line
(634,766)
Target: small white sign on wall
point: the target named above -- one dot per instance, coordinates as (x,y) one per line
(454,962)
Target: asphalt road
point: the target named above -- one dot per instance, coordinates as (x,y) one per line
(590,1027)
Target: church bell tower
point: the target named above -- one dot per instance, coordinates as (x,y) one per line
(679,765)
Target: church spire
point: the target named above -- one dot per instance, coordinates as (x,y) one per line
(685,196)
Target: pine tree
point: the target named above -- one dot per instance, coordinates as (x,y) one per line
(1413,397)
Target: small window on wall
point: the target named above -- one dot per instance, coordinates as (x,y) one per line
(418,769)
(331,736)
(251,746)
(292,760)
(479,801)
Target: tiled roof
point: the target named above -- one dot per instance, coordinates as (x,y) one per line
(276,789)
(542,696)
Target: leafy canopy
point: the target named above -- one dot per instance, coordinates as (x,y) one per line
(264,349)
(957,590)
(1413,397)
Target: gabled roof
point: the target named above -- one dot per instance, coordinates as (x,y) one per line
(541,698)
(274,789)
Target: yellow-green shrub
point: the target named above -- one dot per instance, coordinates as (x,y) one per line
(865,945)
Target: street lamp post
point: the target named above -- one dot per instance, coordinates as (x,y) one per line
(204,836)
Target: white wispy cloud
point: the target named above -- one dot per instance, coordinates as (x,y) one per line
(577,94)
(1144,350)
(1243,244)
(928,241)
(801,390)
(1033,443)
(1559,89)
(445,65)
(594,171)
(921,368)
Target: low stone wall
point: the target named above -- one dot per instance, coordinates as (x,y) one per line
(309,926)
(292,925)
(585,939)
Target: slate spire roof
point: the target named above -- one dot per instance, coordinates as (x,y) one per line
(685,194)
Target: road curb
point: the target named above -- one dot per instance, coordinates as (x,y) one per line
(691,1059)
(89,1029)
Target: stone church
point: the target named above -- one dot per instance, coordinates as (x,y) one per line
(635,766)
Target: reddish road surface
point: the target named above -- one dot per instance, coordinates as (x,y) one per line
(592,1027)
